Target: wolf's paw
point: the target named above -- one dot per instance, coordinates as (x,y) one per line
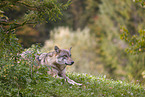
(74,83)
(78,84)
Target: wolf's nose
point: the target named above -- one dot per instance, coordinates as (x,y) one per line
(72,62)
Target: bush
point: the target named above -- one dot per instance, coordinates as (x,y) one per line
(17,75)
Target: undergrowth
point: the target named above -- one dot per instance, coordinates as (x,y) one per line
(20,78)
(44,85)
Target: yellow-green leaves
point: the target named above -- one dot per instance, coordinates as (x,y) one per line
(3,18)
(136,42)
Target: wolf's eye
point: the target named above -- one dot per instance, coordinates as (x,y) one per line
(65,56)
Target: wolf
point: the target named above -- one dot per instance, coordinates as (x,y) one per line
(56,62)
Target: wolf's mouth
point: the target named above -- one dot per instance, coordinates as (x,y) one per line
(67,64)
(70,63)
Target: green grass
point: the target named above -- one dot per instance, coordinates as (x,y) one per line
(19,81)
(92,87)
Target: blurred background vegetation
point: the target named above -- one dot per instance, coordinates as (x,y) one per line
(99,32)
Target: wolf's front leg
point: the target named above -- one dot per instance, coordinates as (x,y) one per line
(72,82)
(69,80)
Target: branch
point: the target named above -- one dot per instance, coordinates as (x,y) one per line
(27,5)
(17,25)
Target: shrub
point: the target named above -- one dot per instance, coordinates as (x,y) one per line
(18,76)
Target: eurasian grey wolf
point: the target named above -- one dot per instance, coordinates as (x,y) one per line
(56,62)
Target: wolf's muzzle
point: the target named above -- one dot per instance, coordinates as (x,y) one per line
(72,62)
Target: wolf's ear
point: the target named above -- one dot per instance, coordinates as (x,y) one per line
(70,50)
(57,49)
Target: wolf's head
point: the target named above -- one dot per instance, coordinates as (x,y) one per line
(63,56)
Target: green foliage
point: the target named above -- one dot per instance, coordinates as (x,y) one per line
(113,14)
(136,42)
(18,75)
(36,11)
(100,86)
(142,2)
(42,9)
(9,45)
(92,86)
(17,13)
